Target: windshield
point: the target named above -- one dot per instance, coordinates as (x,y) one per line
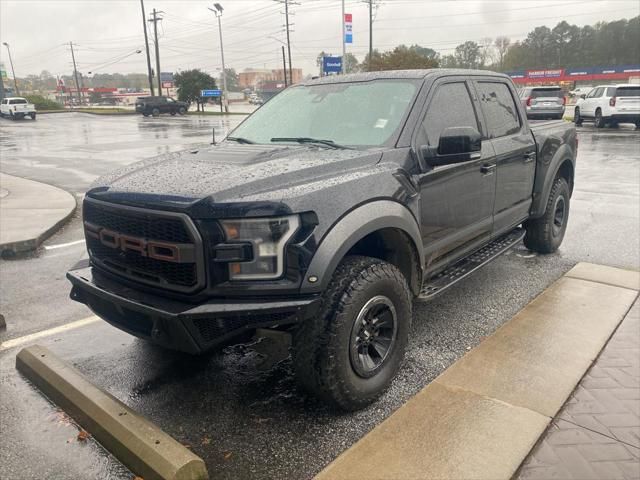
(628,92)
(547,93)
(17,101)
(353,114)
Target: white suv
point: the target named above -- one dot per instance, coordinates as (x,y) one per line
(610,104)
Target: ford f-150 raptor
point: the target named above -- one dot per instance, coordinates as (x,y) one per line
(325,214)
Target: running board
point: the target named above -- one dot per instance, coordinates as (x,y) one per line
(470,264)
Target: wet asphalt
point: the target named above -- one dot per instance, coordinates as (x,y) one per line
(239,409)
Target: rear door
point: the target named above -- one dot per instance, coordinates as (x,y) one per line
(627,100)
(515,152)
(588,107)
(456,206)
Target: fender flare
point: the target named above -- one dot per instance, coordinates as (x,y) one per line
(540,199)
(353,227)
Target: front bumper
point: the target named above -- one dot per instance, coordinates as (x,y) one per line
(180,325)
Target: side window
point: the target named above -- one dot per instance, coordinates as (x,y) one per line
(499,109)
(611,92)
(598,92)
(592,93)
(451,106)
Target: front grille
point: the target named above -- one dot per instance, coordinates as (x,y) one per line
(183,275)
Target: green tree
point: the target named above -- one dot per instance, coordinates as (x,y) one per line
(232,80)
(189,84)
(400,58)
(351,64)
(468,55)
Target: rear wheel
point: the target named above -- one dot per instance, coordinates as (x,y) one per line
(182,110)
(577,119)
(349,353)
(545,234)
(33,115)
(155,112)
(599,120)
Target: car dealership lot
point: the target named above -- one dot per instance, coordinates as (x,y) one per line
(240,409)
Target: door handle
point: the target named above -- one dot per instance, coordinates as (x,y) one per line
(529,157)
(488,168)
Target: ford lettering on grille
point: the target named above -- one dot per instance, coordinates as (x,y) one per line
(157,250)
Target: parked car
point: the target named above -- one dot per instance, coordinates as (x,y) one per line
(579,92)
(543,102)
(161,104)
(324,215)
(610,104)
(16,108)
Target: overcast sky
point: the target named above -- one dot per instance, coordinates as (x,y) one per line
(107,31)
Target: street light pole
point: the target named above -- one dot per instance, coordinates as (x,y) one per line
(344,48)
(146,43)
(15,82)
(218,13)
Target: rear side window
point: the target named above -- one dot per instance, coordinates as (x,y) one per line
(596,93)
(499,109)
(628,92)
(611,92)
(451,107)
(547,93)
(17,101)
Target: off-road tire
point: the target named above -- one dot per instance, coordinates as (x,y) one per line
(321,345)
(599,119)
(542,235)
(155,112)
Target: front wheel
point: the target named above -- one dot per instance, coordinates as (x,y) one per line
(349,353)
(182,110)
(545,234)
(33,115)
(155,112)
(577,119)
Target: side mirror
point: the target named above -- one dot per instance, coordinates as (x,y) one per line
(456,145)
(583,96)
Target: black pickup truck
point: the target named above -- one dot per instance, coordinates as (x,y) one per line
(161,104)
(325,214)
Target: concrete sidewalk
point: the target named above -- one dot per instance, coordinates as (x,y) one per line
(483,415)
(30,212)
(596,435)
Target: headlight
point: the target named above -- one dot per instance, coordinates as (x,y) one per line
(268,237)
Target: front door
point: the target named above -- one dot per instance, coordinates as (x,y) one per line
(515,151)
(456,206)
(588,106)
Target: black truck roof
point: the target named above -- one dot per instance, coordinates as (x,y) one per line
(393,74)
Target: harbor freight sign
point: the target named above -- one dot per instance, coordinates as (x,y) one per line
(331,65)
(210,93)
(590,74)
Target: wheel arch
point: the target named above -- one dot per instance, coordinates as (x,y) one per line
(381,229)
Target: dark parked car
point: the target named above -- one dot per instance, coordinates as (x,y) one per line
(157,105)
(325,214)
(543,102)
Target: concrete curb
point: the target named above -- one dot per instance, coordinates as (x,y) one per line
(32,241)
(482,416)
(131,438)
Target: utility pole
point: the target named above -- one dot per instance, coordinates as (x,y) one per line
(75,74)
(155,21)
(286,14)
(218,13)
(284,68)
(13,72)
(146,43)
(370,32)
(344,47)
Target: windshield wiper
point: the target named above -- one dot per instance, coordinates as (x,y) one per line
(240,140)
(327,143)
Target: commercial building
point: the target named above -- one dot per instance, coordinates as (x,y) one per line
(253,77)
(575,77)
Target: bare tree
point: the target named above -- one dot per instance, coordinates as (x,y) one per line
(486,51)
(502,44)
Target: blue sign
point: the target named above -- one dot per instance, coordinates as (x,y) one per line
(331,65)
(348,38)
(210,93)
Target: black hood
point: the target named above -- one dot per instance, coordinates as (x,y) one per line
(232,172)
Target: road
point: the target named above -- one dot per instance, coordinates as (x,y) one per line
(240,409)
